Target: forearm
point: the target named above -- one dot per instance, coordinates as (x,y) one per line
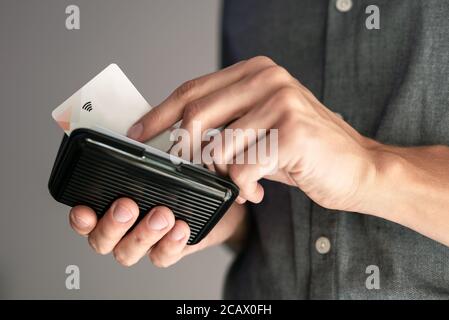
(411,187)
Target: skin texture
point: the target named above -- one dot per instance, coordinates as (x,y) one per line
(317,151)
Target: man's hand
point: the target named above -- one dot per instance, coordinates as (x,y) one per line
(317,151)
(157,234)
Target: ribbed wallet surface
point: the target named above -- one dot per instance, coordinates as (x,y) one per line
(96,177)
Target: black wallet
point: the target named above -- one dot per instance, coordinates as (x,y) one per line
(93,168)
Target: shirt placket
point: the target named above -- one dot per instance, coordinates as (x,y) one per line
(323,234)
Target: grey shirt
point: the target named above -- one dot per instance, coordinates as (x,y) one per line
(390,84)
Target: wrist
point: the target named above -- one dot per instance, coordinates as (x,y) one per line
(387,172)
(410,188)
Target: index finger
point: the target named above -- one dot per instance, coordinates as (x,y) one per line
(171,110)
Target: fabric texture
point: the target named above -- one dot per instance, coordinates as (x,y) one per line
(390,84)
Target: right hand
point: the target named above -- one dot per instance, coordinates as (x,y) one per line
(157,235)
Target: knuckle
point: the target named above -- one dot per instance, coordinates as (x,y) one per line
(140,238)
(158,262)
(278,72)
(286,94)
(261,61)
(153,116)
(121,259)
(99,249)
(273,75)
(287,99)
(185,91)
(103,250)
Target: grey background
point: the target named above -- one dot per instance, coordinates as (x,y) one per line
(158,44)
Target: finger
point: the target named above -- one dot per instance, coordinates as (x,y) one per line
(267,164)
(227,104)
(82,219)
(171,109)
(224,105)
(148,232)
(169,249)
(240,134)
(246,177)
(246,131)
(113,225)
(285,105)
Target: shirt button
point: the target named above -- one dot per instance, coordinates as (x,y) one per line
(323,245)
(343,5)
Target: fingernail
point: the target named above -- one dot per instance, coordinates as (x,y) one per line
(135,131)
(177,234)
(80,222)
(157,221)
(122,214)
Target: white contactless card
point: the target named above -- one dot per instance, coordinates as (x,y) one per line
(109,100)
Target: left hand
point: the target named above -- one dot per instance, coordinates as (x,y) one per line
(317,151)
(158,235)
